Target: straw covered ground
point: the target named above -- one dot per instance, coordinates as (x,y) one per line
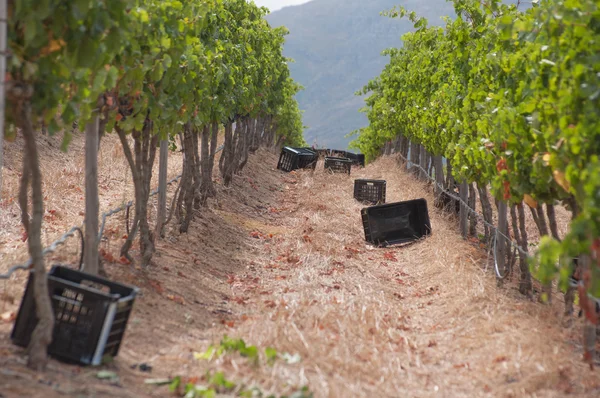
(280,261)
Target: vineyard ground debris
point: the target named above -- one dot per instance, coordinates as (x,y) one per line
(281,262)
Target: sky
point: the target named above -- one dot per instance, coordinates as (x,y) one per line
(277,4)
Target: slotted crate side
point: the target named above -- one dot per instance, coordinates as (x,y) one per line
(296,158)
(370,191)
(338,165)
(288,160)
(356,158)
(308,160)
(85,329)
(119,324)
(396,223)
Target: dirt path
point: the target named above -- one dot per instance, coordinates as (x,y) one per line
(280,261)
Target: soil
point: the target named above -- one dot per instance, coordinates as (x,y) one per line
(279,260)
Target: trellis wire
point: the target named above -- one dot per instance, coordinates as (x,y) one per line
(572,282)
(50,249)
(26,266)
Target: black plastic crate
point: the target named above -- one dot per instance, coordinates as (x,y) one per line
(91,315)
(338,165)
(357,159)
(370,191)
(396,223)
(297,158)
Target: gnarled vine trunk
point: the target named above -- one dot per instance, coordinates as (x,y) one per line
(414,157)
(525,283)
(449,177)
(540,220)
(197,173)
(227,148)
(486,207)
(189,181)
(229,157)
(161,212)
(207,188)
(248,136)
(438,168)
(145,144)
(472,215)
(242,148)
(42,334)
(256,132)
(570,293)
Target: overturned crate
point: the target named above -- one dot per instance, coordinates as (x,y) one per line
(338,165)
(297,158)
(90,312)
(370,191)
(396,223)
(358,159)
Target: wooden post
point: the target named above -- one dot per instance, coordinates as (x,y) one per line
(501,243)
(3,21)
(438,168)
(464,212)
(423,162)
(91,195)
(589,329)
(414,157)
(162,188)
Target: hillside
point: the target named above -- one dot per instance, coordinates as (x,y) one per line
(336,45)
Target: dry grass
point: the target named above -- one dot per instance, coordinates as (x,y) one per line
(431,323)
(64,187)
(419,321)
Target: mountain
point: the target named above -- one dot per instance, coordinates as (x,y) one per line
(336,45)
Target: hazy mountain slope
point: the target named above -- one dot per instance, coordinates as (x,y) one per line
(336,45)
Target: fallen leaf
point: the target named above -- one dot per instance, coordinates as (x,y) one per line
(461,365)
(270,304)
(156,286)
(175,298)
(390,256)
(229,324)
